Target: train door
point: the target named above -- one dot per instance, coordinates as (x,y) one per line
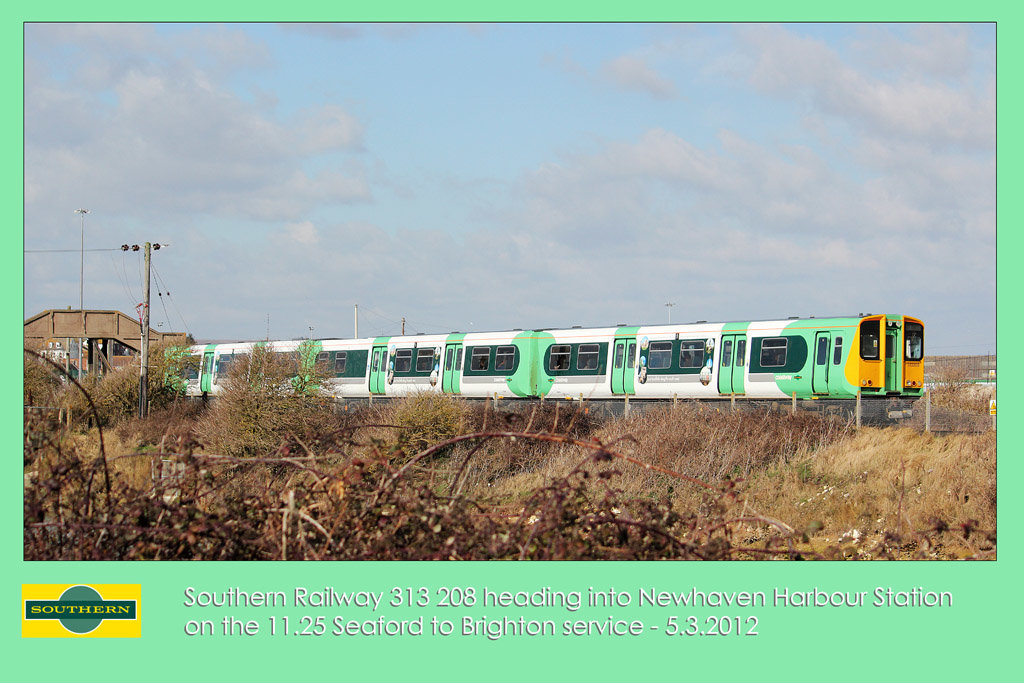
(450,381)
(732,363)
(623,363)
(892,359)
(819,370)
(378,369)
(207,373)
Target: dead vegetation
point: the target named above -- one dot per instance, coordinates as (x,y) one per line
(432,477)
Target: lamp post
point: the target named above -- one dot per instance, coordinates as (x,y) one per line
(81,289)
(669,306)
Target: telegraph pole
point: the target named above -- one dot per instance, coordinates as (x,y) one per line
(144,371)
(144,366)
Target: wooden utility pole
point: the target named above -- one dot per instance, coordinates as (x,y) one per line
(144,369)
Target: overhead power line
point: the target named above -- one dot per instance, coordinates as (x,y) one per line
(63,251)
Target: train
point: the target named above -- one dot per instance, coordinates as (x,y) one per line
(878,355)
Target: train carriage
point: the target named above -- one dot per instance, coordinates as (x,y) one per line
(876,355)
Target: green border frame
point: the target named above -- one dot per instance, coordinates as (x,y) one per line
(978,634)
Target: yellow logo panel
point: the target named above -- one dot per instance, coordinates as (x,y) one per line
(70,610)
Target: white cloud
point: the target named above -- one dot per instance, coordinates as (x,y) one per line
(632,73)
(908,103)
(304,233)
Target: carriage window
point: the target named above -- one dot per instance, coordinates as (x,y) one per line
(915,341)
(424,360)
(587,358)
(376,362)
(691,354)
(223,363)
(339,362)
(504,358)
(321,357)
(727,353)
(458,360)
(741,352)
(837,355)
(869,339)
(631,355)
(620,353)
(559,357)
(449,356)
(660,356)
(403,360)
(481,358)
(773,352)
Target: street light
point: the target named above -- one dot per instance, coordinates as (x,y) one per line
(81,289)
(670,305)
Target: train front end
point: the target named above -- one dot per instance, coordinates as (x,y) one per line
(889,356)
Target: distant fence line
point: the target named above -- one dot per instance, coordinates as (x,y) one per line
(968,368)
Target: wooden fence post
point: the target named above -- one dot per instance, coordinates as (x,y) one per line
(927,410)
(858,409)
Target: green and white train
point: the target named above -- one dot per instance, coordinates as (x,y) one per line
(877,355)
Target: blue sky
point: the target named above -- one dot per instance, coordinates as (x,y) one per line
(479,177)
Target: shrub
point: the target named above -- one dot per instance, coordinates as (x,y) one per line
(42,381)
(427,418)
(116,394)
(260,407)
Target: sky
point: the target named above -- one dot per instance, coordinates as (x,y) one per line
(487,177)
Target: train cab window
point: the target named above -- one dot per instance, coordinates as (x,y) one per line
(458,360)
(559,357)
(726,353)
(741,352)
(890,349)
(481,359)
(403,360)
(691,354)
(914,333)
(660,356)
(837,355)
(505,358)
(620,355)
(869,334)
(588,357)
(339,362)
(424,360)
(449,356)
(631,355)
(773,352)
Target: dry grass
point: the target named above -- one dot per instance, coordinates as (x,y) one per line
(888,481)
(696,441)
(863,493)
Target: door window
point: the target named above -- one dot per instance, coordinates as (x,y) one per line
(727,353)
(822,355)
